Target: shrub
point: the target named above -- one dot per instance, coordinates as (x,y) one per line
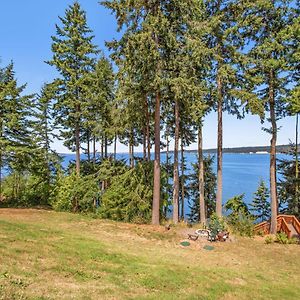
(216,224)
(75,193)
(269,239)
(242,224)
(129,196)
(282,238)
(24,189)
(239,218)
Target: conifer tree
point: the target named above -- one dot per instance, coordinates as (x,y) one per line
(288,184)
(266,20)
(99,90)
(139,51)
(230,90)
(260,205)
(46,161)
(73,52)
(15,142)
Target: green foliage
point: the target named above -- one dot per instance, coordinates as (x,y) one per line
(74,57)
(210,182)
(239,217)
(288,184)
(236,206)
(269,239)
(24,189)
(282,238)
(129,196)
(260,204)
(15,109)
(216,224)
(243,225)
(77,194)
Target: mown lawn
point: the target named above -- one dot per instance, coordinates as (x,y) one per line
(49,255)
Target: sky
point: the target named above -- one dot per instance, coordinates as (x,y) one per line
(26,28)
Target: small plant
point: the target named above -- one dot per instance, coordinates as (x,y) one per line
(216,225)
(269,239)
(239,217)
(282,238)
(294,241)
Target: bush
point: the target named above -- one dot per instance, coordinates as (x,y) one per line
(76,194)
(129,196)
(239,218)
(216,224)
(269,239)
(282,238)
(242,224)
(24,189)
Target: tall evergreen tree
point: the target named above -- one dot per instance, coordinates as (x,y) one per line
(73,52)
(266,20)
(99,90)
(288,184)
(46,161)
(260,205)
(230,89)
(15,109)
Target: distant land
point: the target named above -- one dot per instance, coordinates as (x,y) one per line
(252,149)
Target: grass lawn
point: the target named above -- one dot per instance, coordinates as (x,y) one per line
(50,255)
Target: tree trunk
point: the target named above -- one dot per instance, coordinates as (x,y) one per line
(115,147)
(102,147)
(94,149)
(148,129)
(167,168)
(77,146)
(220,150)
(147,143)
(88,147)
(144,144)
(202,211)
(297,169)
(132,151)
(176,172)
(273,185)
(182,181)
(105,146)
(156,181)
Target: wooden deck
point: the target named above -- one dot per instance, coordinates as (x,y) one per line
(285,223)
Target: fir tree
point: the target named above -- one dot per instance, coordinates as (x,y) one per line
(288,184)
(46,162)
(73,52)
(266,20)
(99,90)
(15,143)
(260,204)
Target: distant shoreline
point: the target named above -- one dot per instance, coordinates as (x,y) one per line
(234,150)
(244,150)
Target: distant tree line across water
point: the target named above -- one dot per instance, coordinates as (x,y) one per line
(176,61)
(285,149)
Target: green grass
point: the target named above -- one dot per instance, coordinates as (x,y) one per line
(49,255)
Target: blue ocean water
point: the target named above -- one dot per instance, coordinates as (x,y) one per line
(241,172)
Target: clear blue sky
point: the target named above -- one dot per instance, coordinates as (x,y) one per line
(26,27)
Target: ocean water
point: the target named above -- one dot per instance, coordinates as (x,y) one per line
(241,172)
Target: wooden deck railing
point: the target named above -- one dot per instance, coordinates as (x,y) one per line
(282,225)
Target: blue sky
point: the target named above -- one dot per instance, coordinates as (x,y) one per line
(26,28)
